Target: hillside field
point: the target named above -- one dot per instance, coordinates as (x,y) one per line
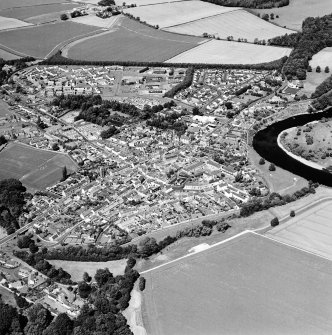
(134,42)
(224,52)
(37,169)
(249,285)
(174,13)
(238,23)
(39,41)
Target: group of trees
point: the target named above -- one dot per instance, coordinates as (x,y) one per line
(322,95)
(186,82)
(323,88)
(315,36)
(2,140)
(250,3)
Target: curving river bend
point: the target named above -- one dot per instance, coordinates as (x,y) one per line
(265,142)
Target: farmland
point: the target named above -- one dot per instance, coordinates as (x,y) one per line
(174,13)
(225,289)
(322,58)
(39,41)
(10,23)
(77,270)
(224,52)
(26,3)
(134,42)
(238,23)
(7,55)
(37,169)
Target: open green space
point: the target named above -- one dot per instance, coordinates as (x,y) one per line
(250,285)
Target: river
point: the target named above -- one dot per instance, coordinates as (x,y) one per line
(265,143)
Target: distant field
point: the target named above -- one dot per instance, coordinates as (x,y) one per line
(292,15)
(93,20)
(238,23)
(37,169)
(224,52)
(77,269)
(133,41)
(322,58)
(10,23)
(145,2)
(7,55)
(250,285)
(23,13)
(170,14)
(41,40)
(25,3)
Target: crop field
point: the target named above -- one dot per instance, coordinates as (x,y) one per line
(10,23)
(7,55)
(37,169)
(250,285)
(26,3)
(145,2)
(174,13)
(39,41)
(292,15)
(23,13)
(132,41)
(225,52)
(310,230)
(238,23)
(77,269)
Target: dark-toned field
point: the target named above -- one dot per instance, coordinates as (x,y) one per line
(37,169)
(250,285)
(25,3)
(133,41)
(39,41)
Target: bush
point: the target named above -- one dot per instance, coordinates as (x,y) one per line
(327,69)
(262,161)
(318,69)
(274,222)
(141,283)
(272,167)
(292,214)
(64,17)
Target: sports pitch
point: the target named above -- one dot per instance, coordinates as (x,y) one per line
(249,285)
(37,169)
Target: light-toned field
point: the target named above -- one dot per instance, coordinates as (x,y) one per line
(93,20)
(238,23)
(310,230)
(224,52)
(174,13)
(37,169)
(312,81)
(77,269)
(25,3)
(323,58)
(40,41)
(293,15)
(250,285)
(10,23)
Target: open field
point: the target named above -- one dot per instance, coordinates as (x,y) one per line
(39,41)
(224,52)
(10,23)
(311,230)
(93,20)
(322,58)
(238,23)
(134,42)
(312,81)
(7,296)
(174,13)
(250,285)
(7,55)
(26,3)
(76,269)
(144,2)
(4,107)
(37,169)
(23,13)
(292,15)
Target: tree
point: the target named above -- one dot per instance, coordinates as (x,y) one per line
(265,17)
(64,173)
(261,161)
(55,147)
(196,111)
(102,276)
(272,167)
(21,302)
(141,283)
(272,16)
(309,69)
(86,277)
(62,325)
(24,241)
(33,248)
(2,140)
(292,214)
(327,69)
(274,222)
(318,69)
(64,17)
(39,319)
(229,105)
(84,289)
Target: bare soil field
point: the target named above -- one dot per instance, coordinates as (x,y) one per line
(134,42)
(174,13)
(238,23)
(39,41)
(311,230)
(292,15)
(26,3)
(249,285)
(225,52)
(10,23)
(77,269)
(37,169)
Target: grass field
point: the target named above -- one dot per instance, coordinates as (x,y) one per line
(292,15)
(310,230)
(93,20)
(170,14)
(26,3)
(11,23)
(4,107)
(37,169)
(132,41)
(77,269)
(250,285)
(7,296)
(7,55)
(39,41)
(322,58)
(238,23)
(224,52)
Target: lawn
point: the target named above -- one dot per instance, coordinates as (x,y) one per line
(39,41)
(37,169)
(224,52)
(174,13)
(292,15)
(132,41)
(76,269)
(250,285)
(238,23)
